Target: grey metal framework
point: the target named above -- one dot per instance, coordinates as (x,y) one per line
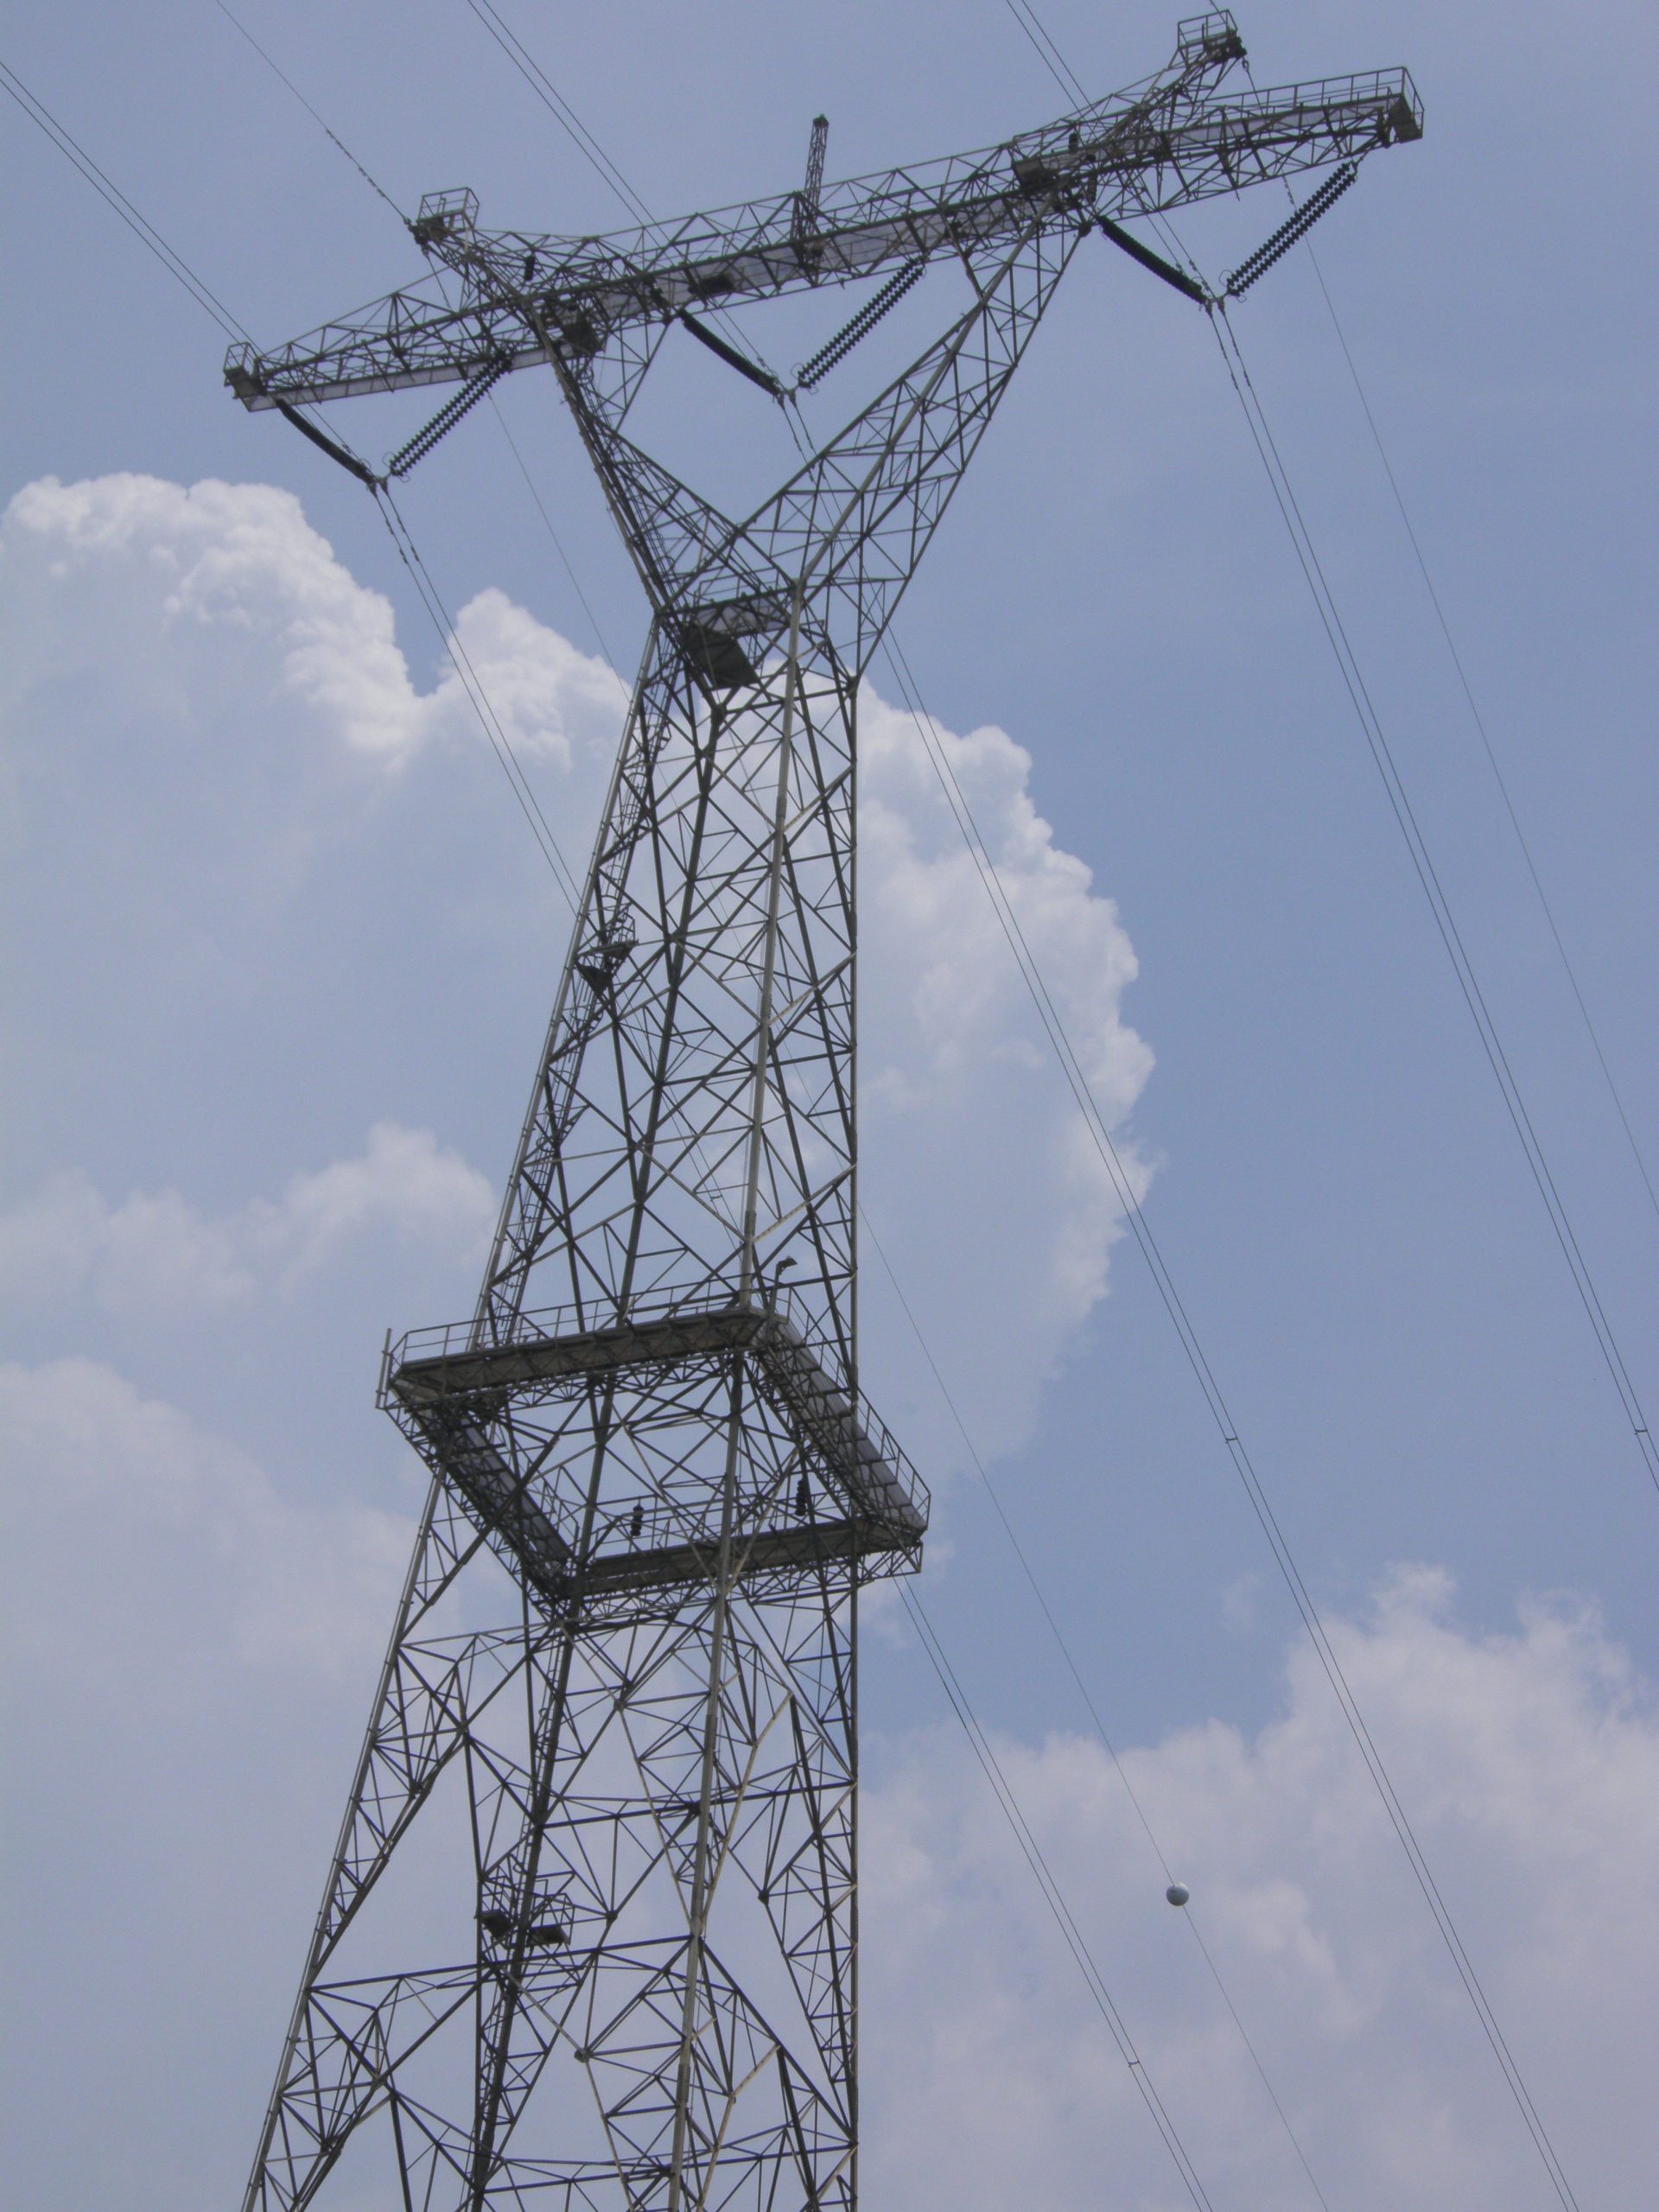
(608,1797)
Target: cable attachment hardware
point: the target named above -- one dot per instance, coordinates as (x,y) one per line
(447,416)
(815,371)
(1286,236)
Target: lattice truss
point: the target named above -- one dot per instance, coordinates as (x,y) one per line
(617,1819)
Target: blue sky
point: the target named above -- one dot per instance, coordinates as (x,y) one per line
(278,951)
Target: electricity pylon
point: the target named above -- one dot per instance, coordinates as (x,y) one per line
(607,1799)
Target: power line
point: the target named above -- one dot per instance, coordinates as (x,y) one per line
(152,239)
(1477,715)
(1428,874)
(1479,721)
(1433,890)
(396,529)
(1400,804)
(238,24)
(558,543)
(597,159)
(1382,755)
(1198,1360)
(111,193)
(500,744)
(1053,1897)
(1046,52)
(559,108)
(1093,1710)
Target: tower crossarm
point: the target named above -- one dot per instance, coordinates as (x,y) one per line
(496,300)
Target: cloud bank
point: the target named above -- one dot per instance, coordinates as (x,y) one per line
(155,1248)
(1519,1755)
(187,1659)
(224,785)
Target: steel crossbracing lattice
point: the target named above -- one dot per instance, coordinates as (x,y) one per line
(609,1786)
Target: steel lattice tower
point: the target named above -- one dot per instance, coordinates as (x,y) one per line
(611,1774)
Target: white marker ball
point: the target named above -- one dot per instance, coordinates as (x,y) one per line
(1177,1893)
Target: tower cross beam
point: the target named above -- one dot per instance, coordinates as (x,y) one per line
(1170,146)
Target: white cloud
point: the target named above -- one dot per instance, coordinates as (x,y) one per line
(552,700)
(1529,1763)
(984,1187)
(403,1184)
(186,1654)
(144,1556)
(153,1249)
(190,567)
(156,1253)
(215,619)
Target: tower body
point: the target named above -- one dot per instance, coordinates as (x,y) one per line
(589,1937)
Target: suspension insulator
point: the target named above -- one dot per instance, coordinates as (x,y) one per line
(729,354)
(815,371)
(446,417)
(1286,236)
(1131,245)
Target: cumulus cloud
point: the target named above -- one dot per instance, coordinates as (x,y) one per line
(968,1121)
(195,571)
(187,1652)
(221,766)
(154,1249)
(405,1182)
(1519,1757)
(144,1557)
(157,1251)
(214,617)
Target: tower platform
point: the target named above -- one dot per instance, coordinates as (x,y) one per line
(452,1394)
